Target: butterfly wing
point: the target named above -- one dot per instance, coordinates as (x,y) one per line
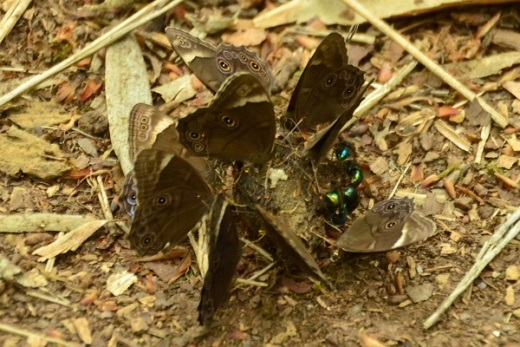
(172,199)
(325,139)
(390,224)
(214,65)
(224,254)
(291,245)
(146,122)
(238,125)
(327,85)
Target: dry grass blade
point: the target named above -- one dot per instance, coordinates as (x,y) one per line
(484,135)
(507,232)
(147,13)
(423,59)
(14,13)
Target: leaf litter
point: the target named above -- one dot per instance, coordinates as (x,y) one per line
(367,287)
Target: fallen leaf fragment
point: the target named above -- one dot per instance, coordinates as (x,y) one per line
(513,87)
(452,135)
(248,37)
(282,337)
(506,161)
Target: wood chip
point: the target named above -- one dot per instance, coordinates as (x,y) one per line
(451,135)
(69,242)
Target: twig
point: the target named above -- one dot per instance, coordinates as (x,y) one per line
(54,298)
(258,249)
(147,13)
(244,282)
(427,62)
(490,250)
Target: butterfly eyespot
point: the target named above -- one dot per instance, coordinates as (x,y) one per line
(143,127)
(162,200)
(390,207)
(198,147)
(181,41)
(223,65)
(194,135)
(147,240)
(228,121)
(254,66)
(133,197)
(243,57)
(329,82)
(144,120)
(390,225)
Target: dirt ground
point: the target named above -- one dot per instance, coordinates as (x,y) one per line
(383,296)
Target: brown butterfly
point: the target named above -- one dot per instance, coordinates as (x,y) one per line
(390,224)
(213,65)
(327,93)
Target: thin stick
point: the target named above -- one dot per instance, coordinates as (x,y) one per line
(147,13)
(22,332)
(258,249)
(423,59)
(482,261)
(244,282)
(399,180)
(55,299)
(12,16)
